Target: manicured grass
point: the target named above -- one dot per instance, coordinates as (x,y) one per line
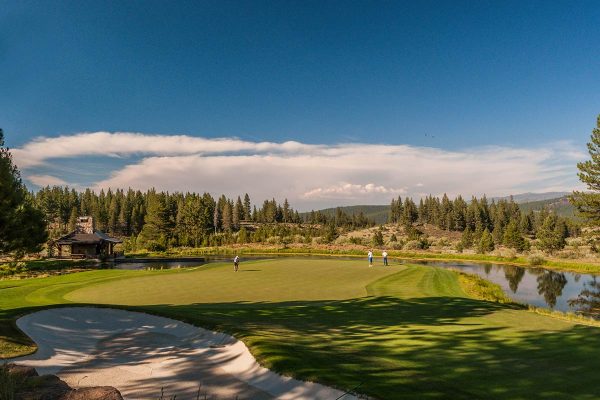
(399,332)
(560,265)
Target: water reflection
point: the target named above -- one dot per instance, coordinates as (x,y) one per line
(514,275)
(588,301)
(550,285)
(562,291)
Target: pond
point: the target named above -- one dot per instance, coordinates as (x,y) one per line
(562,291)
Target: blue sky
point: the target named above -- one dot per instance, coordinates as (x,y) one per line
(449,77)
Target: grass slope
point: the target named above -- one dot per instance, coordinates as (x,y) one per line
(399,332)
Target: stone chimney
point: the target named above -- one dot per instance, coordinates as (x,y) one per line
(85,225)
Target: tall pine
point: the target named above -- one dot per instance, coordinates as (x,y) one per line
(22,225)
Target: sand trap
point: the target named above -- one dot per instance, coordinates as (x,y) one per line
(139,354)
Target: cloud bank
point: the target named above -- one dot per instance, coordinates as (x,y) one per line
(309,175)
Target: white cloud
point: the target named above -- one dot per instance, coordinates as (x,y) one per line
(119,144)
(308,175)
(46,180)
(350,191)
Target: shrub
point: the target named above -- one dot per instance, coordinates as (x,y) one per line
(155,246)
(355,240)
(397,246)
(377,239)
(413,245)
(536,259)
(443,242)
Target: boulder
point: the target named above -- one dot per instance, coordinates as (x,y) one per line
(94,393)
(21,371)
(31,386)
(45,387)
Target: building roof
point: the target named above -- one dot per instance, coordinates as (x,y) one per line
(79,237)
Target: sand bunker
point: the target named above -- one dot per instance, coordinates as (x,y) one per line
(140,354)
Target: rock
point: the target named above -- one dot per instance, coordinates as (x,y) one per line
(45,387)
(21,371)
(30,386)
(94,393)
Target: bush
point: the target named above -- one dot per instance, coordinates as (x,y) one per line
(397,246)
(273,240)
(535,260)
(413,245)
(443,242)
(355,240)
(155,246)
(377,239)
(511,254)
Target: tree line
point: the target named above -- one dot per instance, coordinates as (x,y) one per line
(486,224)
(159,220)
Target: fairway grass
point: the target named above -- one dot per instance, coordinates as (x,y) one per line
(397,332)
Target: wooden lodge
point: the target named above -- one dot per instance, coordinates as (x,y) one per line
(86,242)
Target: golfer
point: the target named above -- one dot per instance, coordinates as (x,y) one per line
(236,263)
(384,254)
(370,255)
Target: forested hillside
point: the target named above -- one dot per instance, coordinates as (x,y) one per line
(160,220)
(379,214)
(560,206)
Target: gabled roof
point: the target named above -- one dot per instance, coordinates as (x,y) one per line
(86,238)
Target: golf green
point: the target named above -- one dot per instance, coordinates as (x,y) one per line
(396,332)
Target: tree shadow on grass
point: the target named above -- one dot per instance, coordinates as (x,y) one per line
(436,347)
(431,347)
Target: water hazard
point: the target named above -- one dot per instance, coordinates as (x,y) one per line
(562,291)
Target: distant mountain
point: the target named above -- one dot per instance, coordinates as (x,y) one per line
(560,206)
(379,214)
(534,197)
(554,201)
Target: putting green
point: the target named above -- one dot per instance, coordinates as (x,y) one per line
(257,281)
(398,332)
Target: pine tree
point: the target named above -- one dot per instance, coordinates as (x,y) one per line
(588,203)
(513,238)
(330,233)
(227,218)
(498,234)
(73,219)
(247,209)
(216,218)
(551,235)
(486,242)
(466,239)
(22,225)
(286,211)
(526,225)
(459,209)
(377,240)
(238,213)
(190,221)
(242,235)
(392,218)
(410,213)
(157,225)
